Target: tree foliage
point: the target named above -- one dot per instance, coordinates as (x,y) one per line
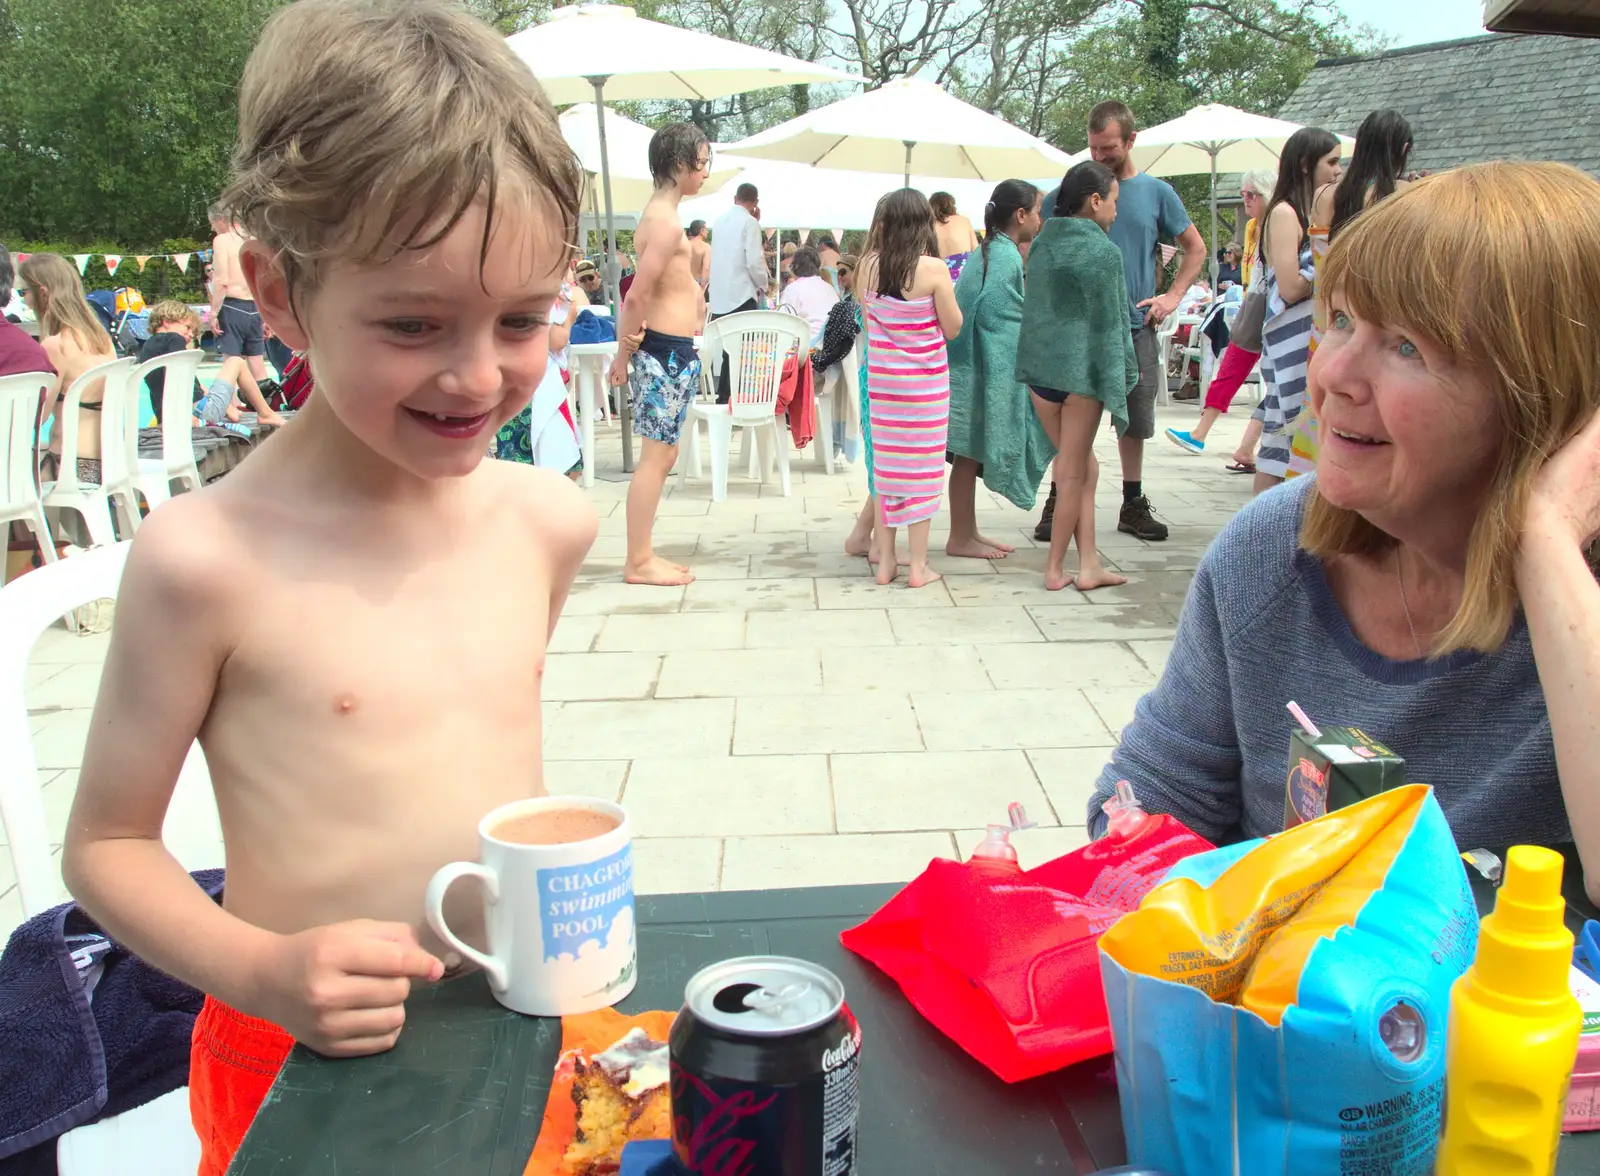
(116,118)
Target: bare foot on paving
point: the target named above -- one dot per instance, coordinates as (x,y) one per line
(974,549)
(996,544)
(1056,581)
(883,577)
(856,546)
(659,572)
(1097,578)
(923,576)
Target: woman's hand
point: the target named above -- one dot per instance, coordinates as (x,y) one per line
(1566,492)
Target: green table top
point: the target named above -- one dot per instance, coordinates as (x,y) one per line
(464,1089)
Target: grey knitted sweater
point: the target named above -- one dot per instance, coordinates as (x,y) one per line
(1260,626)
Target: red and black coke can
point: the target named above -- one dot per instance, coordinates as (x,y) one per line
(765,1071)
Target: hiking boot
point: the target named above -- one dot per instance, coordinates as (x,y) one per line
(1046,520)
(1137,521)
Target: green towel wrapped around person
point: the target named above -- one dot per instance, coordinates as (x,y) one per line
(1076,356)
(1075,335)
(992,422)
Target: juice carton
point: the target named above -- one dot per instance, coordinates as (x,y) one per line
(1335,768)
(1583,1096)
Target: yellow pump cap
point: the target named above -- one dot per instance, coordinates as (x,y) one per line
(1524,948)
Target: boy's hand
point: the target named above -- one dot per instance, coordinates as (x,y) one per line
(341,989)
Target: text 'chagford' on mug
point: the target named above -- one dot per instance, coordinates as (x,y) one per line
(557,880)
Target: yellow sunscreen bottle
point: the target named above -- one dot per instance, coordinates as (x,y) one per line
(1514,1027)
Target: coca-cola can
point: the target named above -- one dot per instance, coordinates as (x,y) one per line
(765,1071)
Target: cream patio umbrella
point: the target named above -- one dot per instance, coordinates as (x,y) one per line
(592,51)
(1215,138)
(905,126)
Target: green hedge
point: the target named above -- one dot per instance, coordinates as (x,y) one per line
(160,278)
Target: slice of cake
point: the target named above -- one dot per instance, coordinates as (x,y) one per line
(620,1095)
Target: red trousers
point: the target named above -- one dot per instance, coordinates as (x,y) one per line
(1236,365)
(233,1060)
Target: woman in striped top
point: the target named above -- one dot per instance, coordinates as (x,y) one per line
(908,305)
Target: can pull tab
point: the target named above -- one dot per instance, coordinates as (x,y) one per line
(764,1000)
(996,844)
(1124,816)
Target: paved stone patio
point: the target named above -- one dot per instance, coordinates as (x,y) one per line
(784,721)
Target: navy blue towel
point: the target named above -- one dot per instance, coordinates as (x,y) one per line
(87,1029)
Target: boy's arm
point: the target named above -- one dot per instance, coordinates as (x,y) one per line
(339,989)
(570,529)
(653,261)
(221,276)
(755,258)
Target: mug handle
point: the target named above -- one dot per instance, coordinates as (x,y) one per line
(434,903)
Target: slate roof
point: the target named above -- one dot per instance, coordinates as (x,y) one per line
(1501,96)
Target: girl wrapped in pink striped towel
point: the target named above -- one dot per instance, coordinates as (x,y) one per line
(909,307)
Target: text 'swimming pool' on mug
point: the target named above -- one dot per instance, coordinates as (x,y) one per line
(557,877)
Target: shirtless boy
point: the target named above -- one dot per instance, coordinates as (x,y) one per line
(699,253)
(233,308)
(667,304)
(354,752)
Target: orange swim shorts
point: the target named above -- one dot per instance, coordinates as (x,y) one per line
(233,1061)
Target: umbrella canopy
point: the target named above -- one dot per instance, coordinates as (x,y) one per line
(1215,138)
(629,146)
(798,196)
(908,126)
(640,58)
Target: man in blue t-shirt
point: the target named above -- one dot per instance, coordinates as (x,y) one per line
(1148,211)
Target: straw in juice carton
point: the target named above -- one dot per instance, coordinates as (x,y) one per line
(1333,767)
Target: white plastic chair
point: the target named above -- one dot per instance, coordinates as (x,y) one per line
(157,1138)
(756,343)
(153,476)
(587,364)
(95,503)
(21,397)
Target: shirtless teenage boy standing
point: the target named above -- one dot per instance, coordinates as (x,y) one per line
(234,315)
(667,304)
(353,753)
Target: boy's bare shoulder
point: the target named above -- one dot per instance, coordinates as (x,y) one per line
(188,553)
(551,505)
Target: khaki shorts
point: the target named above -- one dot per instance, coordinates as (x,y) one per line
(1142,397)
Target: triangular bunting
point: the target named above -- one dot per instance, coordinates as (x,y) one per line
(113,260)
(804,233)
(838,238)
(183,262)
(21,257)
(82,259)
(141,258)
(1168,252)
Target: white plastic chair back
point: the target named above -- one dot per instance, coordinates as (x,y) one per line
(178,462)
(21,397)
(119,432)
(28,606)
(69,415)
(756,343)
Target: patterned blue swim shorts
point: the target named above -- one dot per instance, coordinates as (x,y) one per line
(663,381)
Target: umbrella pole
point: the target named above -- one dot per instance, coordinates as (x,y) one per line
(613,276)
(1211,245)
(909,145)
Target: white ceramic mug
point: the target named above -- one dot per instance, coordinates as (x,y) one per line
(559,917)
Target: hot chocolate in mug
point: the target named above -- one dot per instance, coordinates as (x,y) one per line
(557,880)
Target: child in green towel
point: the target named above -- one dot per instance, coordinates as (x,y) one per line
(1076,355)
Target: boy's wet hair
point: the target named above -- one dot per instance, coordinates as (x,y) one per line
(675,146)
(368,128)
